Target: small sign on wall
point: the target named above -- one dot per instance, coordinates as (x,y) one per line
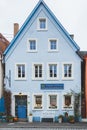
(52,86)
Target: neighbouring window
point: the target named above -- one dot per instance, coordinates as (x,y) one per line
(67,71)
(67,101)
(32,47)
(42,24)
(52,71)
(37,101)
(37,71)
(52,101)
(53,45)
(20,71)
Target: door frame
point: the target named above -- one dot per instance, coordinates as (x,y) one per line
(13,102)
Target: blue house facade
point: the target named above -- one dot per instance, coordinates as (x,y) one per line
(43,67)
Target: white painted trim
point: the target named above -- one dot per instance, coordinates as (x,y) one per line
(52,78)
(28,49)
(49,49)
(67,78)
(33,70)
(20,63)
(52,93)
(33,101)
(38,24)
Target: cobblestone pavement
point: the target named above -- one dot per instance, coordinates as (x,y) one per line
(42,126)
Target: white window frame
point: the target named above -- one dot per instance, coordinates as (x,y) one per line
(33,99)
(67,78)
(49,47)
(63,102)
(48,101)
(28,45)
(33,71)
(16,71)
(52,78)
(38,24)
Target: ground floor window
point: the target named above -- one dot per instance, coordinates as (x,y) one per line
(37,101)
(67,101)
(52,101)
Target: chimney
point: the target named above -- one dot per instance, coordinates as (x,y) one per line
(16,28)
(72,36)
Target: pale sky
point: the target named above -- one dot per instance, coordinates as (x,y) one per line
(72,14)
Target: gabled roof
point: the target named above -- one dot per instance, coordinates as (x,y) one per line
(3,43)
(28,20)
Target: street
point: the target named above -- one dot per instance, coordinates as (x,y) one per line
(43,126)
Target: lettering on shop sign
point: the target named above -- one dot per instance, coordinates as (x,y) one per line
(52,86)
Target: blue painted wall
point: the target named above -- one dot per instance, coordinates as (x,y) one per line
(67,53)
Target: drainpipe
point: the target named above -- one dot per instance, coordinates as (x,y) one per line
(85,58)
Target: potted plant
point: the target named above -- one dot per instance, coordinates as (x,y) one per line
(10,118)
(15,119)
(71,119)
(60,118)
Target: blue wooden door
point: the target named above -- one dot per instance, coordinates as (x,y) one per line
(22,111)
(21,106)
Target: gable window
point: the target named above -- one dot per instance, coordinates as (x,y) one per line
(42,24)
(53,71)
(67,71)
(37,71)
(52,101)
(32,45)
(20,71)
(37,101)
(67,101)
(53,45)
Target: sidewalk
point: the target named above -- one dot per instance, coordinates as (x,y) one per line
(81,125)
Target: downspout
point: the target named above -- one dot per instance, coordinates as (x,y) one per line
(85,58)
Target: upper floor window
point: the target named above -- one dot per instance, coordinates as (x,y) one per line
(42,24)
(67,71)
(53,45)
(20,71)
(52,71)
(32,45)
(37,71)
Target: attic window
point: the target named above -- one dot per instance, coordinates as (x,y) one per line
(42,24)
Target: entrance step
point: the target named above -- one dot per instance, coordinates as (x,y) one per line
(84,119)
(22,119)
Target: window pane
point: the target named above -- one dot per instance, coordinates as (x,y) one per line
(42,23)
(32,45)
(53,70)
(38,101)
(68,70)
(67,101)
(53,101)
(53,45)
(21,71)
(38,71)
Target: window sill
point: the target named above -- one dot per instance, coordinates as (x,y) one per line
(20,79)
(68,78)
(52,79)
(32,51)
(42,29)
(53,51)
(37,79)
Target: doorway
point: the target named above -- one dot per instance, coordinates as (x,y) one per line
(21,106)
